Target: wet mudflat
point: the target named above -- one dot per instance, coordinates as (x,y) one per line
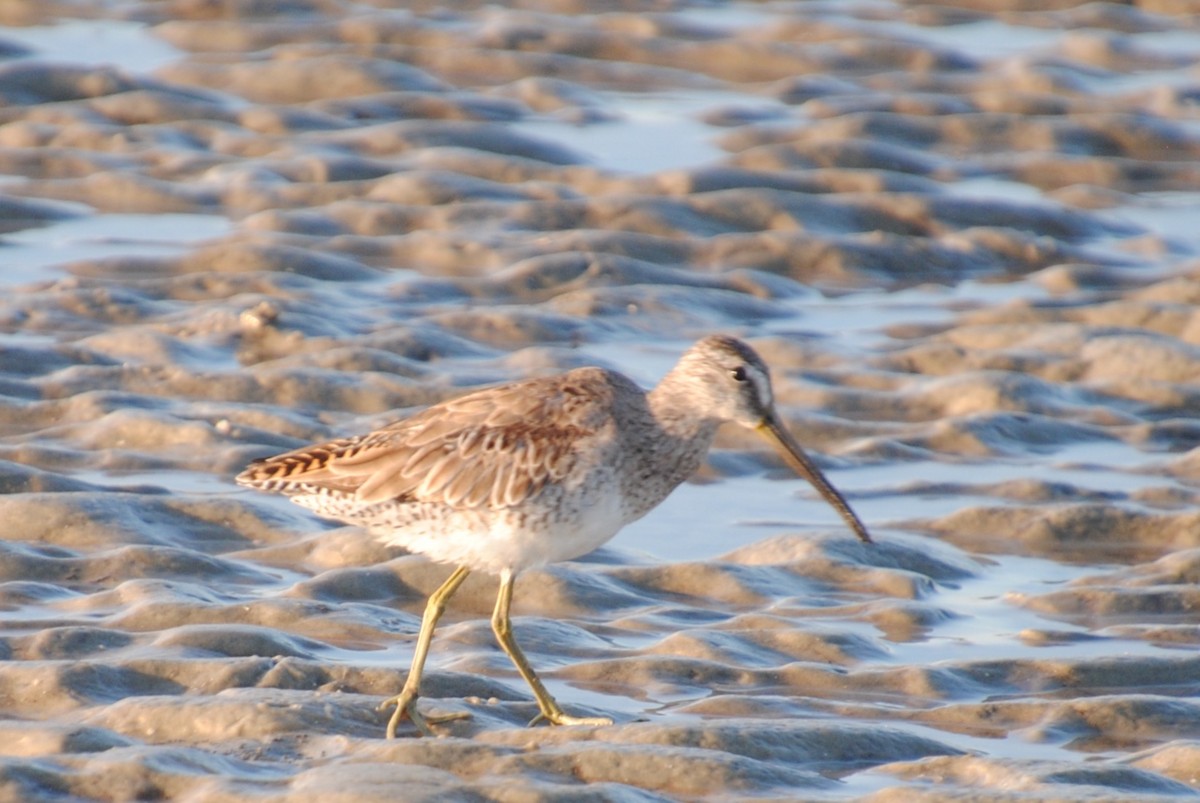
(964,238)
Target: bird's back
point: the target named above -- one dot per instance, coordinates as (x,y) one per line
(489,450)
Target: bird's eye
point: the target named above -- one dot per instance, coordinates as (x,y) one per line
(739,373)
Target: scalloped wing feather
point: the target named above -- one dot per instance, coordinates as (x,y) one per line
(494,448)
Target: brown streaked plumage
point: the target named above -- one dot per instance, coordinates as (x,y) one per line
(514,477)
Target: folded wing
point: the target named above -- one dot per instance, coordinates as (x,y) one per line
(494,448)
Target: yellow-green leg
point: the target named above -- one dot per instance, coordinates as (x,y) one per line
(406,700)
(502,627)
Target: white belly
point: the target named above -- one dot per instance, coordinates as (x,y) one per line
(531,535)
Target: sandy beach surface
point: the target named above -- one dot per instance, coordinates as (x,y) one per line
(966,237)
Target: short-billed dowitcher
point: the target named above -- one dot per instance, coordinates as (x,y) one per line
(517,476)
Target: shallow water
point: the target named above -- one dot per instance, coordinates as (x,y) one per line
(963,240)
(34,255)
(646,133)
(124,44)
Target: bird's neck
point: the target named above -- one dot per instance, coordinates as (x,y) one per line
(674,409)
(665,461)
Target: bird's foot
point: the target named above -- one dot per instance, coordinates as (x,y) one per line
(406,706)
(559,718)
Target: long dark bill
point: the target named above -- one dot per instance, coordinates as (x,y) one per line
(772,429)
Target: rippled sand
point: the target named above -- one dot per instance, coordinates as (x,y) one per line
(964,238)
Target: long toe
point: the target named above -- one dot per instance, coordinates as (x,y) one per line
(560,718)
(425,724)
(406,707)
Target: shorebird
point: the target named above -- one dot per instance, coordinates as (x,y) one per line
(514,477)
